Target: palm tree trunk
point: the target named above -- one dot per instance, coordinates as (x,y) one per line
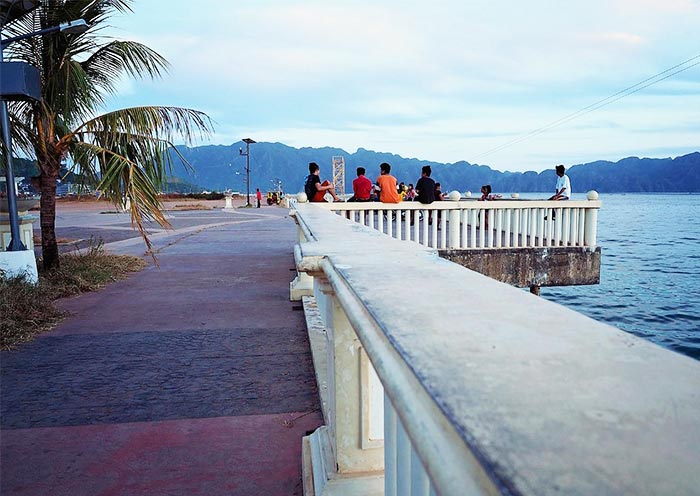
(49,247)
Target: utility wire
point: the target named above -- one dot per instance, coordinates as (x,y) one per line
(599,104)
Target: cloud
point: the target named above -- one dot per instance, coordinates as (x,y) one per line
(445,82)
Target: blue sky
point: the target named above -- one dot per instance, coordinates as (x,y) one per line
(441,80)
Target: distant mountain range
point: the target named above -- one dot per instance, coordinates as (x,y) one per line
(219,167)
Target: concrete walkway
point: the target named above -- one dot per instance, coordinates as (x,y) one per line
(194,378)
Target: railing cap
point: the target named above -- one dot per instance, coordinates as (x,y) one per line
(550,401)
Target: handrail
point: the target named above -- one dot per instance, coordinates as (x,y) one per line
(438,444)
(474,224)
(496,389)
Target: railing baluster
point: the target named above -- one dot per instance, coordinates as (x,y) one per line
(433,229)
(482,228)
(506,229)
(424,225)
(465,227)
(406,219)
(403,460)
(557,227)
(380,220)
(389,448)
(498,226)
(514,227)
(416,225)
(581,226)
(540,226)
(420,484)
(390,223)
(472,227)
(566,226)
(443,227)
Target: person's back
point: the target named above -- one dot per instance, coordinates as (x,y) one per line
(563,186)
(425,187)
(387,185)
(361,186)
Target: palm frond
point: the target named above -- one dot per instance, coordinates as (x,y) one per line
(157,122)
(109,61)
(128,153)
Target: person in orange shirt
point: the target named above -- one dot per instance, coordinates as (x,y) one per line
(387,185)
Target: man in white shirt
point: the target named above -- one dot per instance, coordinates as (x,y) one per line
(563,187)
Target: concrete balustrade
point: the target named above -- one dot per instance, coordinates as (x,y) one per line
(488,389)
(471,224)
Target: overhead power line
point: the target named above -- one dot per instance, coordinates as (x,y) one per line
(656,78)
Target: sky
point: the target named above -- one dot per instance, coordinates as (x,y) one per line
(443,81)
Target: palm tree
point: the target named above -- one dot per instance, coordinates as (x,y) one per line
(127,154)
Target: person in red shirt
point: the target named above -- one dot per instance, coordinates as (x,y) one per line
(258,195)
(361,187)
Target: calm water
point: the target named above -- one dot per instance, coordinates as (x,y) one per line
(650,274)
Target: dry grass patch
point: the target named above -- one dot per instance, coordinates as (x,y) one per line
(27,309)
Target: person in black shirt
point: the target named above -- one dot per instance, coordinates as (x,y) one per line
(425,190)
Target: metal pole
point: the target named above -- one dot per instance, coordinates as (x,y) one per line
(15,240)
(247,172)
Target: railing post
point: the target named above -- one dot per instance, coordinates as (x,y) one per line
(591,221)
(344,387)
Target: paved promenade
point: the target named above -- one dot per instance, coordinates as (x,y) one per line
(194,378)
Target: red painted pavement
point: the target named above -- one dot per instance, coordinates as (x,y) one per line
(245,455)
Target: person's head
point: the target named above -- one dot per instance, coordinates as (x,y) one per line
(560,170)
(314,168)
(438,186)
(257,189)
(410,186)
(385,168)
(426,171)
(402,186)
(486,189)
(360,171)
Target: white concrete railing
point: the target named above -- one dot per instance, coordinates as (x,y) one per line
(474,224)
(487,389)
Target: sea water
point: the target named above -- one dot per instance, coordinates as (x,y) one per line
(650,270)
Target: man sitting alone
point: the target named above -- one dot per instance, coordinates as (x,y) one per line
(315,189)
(563,186)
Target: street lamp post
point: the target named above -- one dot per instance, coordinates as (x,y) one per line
(246,154)
(72,27)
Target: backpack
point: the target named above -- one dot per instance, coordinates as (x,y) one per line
(309,188)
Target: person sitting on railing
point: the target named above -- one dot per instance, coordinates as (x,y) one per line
(425,190)
(439,196)
(410,193)
(387,185)
(361,187)
(315,189)
(486,194)
(401,190)
(563,186)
